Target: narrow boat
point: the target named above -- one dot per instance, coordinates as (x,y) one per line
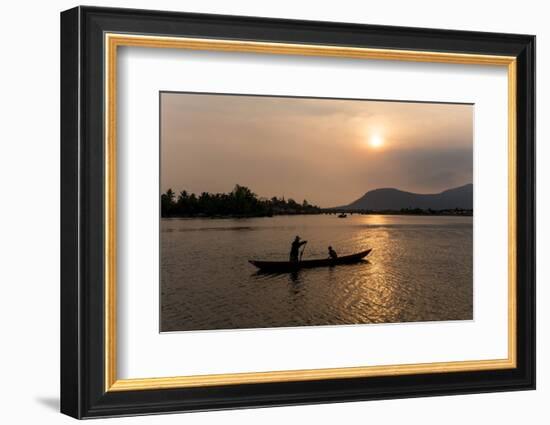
(342,215)
(289,266)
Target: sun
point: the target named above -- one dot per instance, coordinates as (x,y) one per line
(376,142)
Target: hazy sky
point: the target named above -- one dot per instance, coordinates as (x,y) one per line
(327,151)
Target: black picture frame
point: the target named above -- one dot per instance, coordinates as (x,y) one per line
(83,392)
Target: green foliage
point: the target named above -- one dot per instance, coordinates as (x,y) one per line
(240,202)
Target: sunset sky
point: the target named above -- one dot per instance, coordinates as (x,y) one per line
(327,151)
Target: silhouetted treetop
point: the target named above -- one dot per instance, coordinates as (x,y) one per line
(240,202)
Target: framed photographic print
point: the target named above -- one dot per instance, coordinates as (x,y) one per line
(261,212)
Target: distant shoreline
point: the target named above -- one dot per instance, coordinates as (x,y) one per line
(456,212)
(442,213)
(241,202)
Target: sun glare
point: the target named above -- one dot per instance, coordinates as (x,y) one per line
(376,142)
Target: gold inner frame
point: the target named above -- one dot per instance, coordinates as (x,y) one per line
(113,41)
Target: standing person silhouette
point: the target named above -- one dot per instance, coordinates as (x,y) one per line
(295,249)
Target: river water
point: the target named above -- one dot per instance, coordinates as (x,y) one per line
(420,269)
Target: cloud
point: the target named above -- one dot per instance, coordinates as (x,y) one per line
(432,170)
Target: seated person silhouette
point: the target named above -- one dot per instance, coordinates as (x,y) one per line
(332,253)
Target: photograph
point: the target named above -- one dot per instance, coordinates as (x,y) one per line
(281,211)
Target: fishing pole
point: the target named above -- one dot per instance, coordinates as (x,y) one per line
(302,253)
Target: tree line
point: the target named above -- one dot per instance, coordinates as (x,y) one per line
(240,202)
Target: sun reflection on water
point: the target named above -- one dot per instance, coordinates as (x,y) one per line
(420,269)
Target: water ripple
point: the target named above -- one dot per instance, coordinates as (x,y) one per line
(420,269)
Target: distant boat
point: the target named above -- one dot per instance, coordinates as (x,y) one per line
(342,215)
(288,266)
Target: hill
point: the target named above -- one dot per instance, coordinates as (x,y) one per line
(395,199)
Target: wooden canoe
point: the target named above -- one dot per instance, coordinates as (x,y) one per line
(289,266)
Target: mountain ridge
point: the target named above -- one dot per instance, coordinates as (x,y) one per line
(392,199)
